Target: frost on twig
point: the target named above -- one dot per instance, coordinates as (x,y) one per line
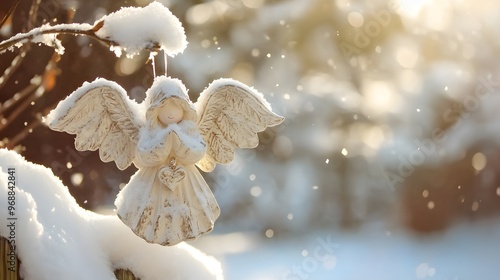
(129,30)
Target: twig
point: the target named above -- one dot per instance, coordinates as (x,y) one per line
(56,29)
(37,93)
(13,101)
(71,29)
(35,90)
(21,135)
(33,13)
(16,62)
(11,10)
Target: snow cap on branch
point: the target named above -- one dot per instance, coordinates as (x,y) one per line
(134,29)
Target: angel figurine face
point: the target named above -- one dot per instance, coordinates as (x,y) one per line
(170,113)
(168,103)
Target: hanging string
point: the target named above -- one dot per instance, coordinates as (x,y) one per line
(165,62)
(152,57)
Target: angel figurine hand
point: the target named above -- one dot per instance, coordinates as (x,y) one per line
(166,137)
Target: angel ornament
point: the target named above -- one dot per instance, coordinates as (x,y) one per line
(166,136)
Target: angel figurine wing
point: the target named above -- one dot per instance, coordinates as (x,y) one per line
(102,117)
(230,114)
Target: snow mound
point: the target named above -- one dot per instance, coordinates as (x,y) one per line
(57,239)
(136,29)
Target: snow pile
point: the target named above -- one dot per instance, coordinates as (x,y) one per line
(136,29)
(57,239)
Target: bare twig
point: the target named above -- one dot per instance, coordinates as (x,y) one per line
(38,92)
(11,10)
(33,13)
(34,91)
(16,62)
(20,96)
(21,135)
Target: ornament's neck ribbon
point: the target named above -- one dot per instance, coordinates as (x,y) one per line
(152,57)
(165,62)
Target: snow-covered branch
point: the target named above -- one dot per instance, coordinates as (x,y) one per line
(131,30)
(46,34)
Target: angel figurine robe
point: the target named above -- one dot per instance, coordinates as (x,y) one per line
(166,136)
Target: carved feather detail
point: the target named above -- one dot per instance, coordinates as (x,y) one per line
(102,117)
(230,116)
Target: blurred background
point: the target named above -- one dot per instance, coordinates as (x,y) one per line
(388,163)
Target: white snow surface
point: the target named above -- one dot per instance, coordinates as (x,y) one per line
(135,29)
(57,239)
(378,251)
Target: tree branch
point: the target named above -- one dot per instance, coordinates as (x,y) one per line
(56,29)
(9,13)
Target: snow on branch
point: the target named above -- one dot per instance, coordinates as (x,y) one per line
(153,27)
(46,34)
(128,30)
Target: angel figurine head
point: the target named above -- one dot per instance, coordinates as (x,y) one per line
(167,103)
